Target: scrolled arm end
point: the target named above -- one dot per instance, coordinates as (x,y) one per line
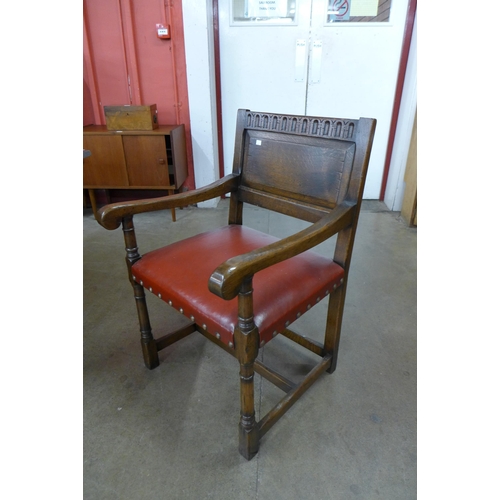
(106,218)
(224,282)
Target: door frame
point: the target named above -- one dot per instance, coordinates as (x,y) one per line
(394,193)
(403,65)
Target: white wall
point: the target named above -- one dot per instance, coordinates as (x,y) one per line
(198,39)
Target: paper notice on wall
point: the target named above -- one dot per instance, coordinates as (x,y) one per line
(267,8)
(364,7)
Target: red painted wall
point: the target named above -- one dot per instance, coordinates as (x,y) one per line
(126,63)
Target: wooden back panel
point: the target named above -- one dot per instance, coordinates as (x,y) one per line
(301,166)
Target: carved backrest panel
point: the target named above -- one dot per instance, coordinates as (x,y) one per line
(294,164)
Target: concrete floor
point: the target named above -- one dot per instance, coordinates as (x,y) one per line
(171,433)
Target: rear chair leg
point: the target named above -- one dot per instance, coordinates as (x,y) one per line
(333,325)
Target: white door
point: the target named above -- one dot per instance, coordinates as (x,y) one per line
(258,66)
(300,63)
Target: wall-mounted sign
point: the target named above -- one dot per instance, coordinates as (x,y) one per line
(338,10)
(267,8)
(371,11)
(364,7)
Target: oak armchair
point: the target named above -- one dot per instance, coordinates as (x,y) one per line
(241,288)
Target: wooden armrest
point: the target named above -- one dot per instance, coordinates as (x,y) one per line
(110,216)
(227,279)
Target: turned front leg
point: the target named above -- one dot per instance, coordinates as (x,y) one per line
(148,343)
(246,338)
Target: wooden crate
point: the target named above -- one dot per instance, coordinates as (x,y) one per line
(131,117)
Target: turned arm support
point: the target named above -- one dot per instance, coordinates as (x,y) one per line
(110,216)
(227,279)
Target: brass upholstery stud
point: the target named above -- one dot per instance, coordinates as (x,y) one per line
(169,302)
(150,289)
(231,345)
(192,318)
(204,327)
(217,335)
(275,333)
(181,310)
(298,315)
(287,323)
(141,283)
(159,295)
(262,343)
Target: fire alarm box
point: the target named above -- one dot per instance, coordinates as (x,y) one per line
(163,31)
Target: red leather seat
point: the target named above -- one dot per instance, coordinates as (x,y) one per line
(179,275)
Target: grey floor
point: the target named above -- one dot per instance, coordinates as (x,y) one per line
(171,433)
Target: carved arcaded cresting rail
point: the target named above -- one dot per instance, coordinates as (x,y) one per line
(310,125)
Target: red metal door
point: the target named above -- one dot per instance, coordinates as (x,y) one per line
(126,63)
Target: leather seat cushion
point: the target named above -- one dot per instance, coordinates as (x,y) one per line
(179,275)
